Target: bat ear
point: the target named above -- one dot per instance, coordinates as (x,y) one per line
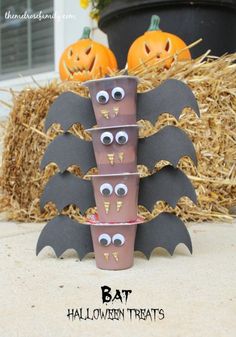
(171,96)
(66,150)
(62,233)
(65,189)
(69,109)
(166,231)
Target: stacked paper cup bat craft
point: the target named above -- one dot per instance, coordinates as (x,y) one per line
(110,116)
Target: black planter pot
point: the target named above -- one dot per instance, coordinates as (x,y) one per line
(213,20)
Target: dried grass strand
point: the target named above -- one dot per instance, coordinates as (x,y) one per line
(213,81)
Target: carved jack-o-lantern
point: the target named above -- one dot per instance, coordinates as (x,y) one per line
(86,60)
(155,45)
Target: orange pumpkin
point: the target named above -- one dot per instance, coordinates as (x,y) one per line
(86,60)
(155,45)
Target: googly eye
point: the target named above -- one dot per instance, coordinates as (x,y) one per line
(121,190)
(106,189)
(102,97)
(104,239)
(118,93)
(118,240)
(106,138)
(122,137)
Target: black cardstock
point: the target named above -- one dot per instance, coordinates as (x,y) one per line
(170,144)
(75,152)
(65,189)
(69,109)
(166,231)
(169,185)
(62,233)
(171,96)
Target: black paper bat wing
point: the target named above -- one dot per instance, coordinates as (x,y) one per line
(65,189)
(66,150)
(170,143)
(62,233)
(169,185)
(69,109)
(166,231)
(171,96)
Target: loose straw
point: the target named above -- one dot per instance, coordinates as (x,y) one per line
(213,80)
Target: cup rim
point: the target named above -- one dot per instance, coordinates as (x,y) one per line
(139,220)
(113,127)
(114,174)
(87,83)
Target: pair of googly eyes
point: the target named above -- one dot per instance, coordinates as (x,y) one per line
(107,137)
(117,94)
(117,240)
(120,190)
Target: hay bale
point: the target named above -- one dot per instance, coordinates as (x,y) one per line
(213,81)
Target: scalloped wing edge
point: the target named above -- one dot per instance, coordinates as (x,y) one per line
(62,233)
(68,109)
(165,231)
(171,96)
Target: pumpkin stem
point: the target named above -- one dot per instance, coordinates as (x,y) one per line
(86,33)
(154,25)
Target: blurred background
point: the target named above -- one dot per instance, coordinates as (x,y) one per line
(30,49)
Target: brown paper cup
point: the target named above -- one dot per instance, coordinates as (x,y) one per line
(115,148)
(109,108)
(116,197)
(114,246)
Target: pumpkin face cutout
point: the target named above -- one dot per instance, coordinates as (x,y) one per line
(155,45)
(86,60)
